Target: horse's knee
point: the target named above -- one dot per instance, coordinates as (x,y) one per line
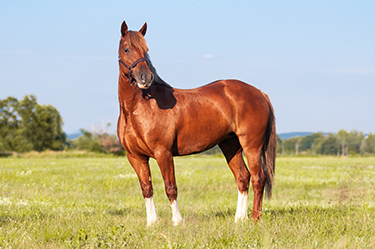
(171,191)
(147,190)
(259,179)
(243,182)
(258,183)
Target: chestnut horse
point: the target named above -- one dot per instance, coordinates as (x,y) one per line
(159,121)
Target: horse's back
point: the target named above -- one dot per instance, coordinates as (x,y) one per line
(214,111)
(239,96)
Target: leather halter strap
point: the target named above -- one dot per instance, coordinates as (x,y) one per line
(130,68)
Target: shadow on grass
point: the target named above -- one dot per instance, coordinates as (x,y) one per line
(224,213)
(316,210)
(5,154)
(120,212)
(25,217)
(295,211)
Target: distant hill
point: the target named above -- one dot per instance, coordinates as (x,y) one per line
(294,134)
(73,135)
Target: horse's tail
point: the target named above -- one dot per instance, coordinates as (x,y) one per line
(269,150)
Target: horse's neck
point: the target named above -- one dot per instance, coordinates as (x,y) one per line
(127,93)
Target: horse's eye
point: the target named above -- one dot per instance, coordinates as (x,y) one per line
(126,50)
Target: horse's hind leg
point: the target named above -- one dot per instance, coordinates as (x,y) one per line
(232,151)
(258,177)
(142,169)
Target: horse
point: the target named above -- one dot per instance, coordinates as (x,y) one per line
(159,121)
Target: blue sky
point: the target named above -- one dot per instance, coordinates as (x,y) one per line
(315,59)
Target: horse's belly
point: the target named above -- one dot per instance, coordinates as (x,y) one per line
(199,139)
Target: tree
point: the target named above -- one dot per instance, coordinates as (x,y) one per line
(97,142)
(88,142)
(329,147)
(318,142)
(111,144)
(342,136)
(297,144)
(279,144)
(309,142)
(289,146)
(369,144)
(354,141)
(8,123)
(26,126)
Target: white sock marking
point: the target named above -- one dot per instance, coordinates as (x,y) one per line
(176,215)
(151,211)
(241,212)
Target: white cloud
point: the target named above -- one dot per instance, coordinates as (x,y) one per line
(208,56)
(356,70)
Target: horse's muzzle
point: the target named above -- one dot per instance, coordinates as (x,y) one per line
(144,80)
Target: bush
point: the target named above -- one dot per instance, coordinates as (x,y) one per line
(101,143)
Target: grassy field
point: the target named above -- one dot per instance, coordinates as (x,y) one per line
(320,202)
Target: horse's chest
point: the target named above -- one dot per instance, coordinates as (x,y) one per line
(134,138)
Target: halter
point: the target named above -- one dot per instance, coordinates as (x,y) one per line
(130,68)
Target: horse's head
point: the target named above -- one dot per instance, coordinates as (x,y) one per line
(133,57)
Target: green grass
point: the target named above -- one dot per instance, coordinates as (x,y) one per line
(319,202)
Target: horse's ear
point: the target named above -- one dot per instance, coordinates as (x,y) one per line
(124,28)
(143,29)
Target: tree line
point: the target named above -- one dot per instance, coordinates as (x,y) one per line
(27,126)
(343,143)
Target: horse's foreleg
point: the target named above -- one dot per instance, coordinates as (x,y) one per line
(142,169)
(166,165)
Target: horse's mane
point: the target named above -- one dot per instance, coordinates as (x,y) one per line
(137,40)
(157,79)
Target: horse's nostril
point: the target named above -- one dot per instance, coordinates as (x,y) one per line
(143,78)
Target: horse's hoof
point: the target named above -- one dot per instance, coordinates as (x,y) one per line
(152,222)
(240,218)
(177,222)
(256,218)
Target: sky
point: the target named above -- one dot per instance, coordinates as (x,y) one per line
(315,59)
